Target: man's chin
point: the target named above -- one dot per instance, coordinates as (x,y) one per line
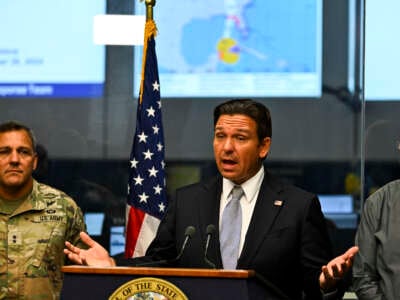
(13,187)
(13,183)
(229,174)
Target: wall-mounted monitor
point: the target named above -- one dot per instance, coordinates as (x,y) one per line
(381,49)
(117,240)
(94,222)
(336,204)
(244,48)
(47,49)
(339,209)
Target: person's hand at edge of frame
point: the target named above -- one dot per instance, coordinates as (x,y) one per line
(96,255)
(336,269)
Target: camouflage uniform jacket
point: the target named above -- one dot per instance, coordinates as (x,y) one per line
(32,242)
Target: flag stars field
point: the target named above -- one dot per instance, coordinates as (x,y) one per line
(156,86)
(151,112)
(157,189)
(152,172)
(138,180)
(142,137)
(143,197)
(134,163)
(161,207)
(156,129)
(148,154)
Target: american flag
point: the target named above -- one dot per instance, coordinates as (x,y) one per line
(147,200)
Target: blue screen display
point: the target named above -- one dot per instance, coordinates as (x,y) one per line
(47,49)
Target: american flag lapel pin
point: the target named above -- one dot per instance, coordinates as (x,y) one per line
(278,202)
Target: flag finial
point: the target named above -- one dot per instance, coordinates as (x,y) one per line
(149,8)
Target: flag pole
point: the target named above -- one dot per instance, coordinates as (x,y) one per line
(149,9)
(150,31)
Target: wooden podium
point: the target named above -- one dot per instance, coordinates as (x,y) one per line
(82,282)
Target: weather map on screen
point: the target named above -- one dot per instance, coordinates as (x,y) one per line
(233,48)
(47,49)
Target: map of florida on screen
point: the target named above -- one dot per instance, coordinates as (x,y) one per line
(230,48)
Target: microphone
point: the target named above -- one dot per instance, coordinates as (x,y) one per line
(210,231)
(189,232)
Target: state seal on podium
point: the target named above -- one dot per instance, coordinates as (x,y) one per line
(147,288)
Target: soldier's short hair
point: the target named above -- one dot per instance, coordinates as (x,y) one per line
(17,126)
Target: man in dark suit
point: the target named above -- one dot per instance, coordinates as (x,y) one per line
(282,232)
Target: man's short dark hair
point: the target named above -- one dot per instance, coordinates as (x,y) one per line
(255,110)
(16,126)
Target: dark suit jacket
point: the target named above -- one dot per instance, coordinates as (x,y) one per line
(286,244)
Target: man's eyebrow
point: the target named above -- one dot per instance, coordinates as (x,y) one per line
(25,148)
(244,130)
(19,148)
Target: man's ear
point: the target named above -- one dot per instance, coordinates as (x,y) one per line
(35,161)
(265,145)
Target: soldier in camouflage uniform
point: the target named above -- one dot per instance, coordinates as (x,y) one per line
(35,222)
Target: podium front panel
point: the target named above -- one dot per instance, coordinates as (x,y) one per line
(100,286)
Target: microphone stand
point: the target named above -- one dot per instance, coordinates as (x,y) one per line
(189,232)
(210,231)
